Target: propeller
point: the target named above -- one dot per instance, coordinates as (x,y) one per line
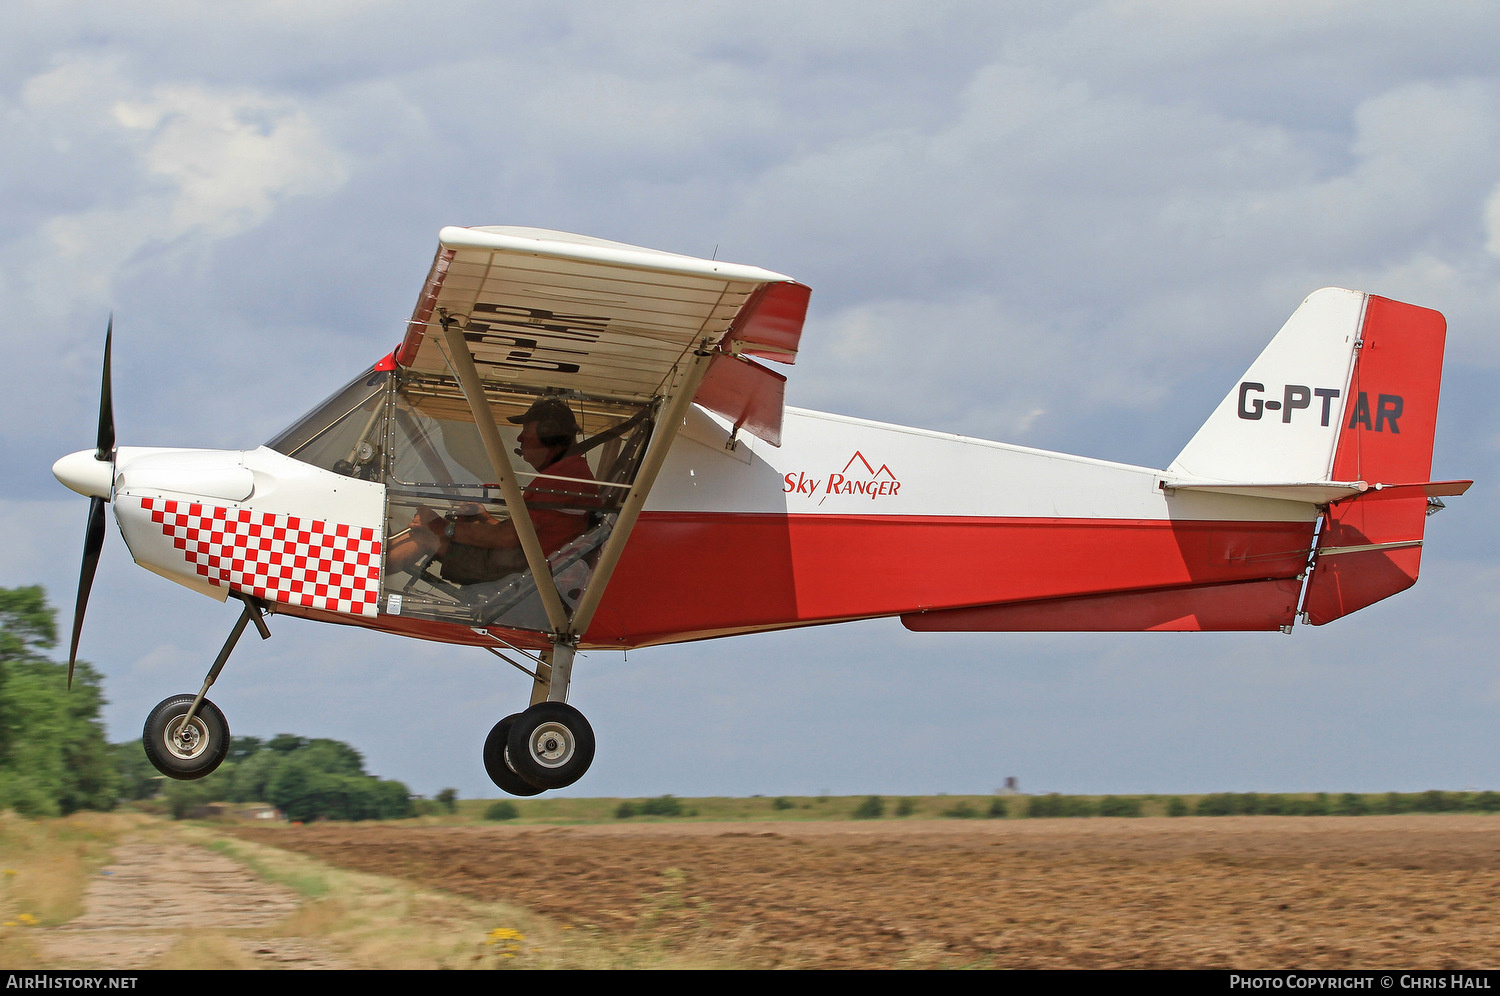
(93,537)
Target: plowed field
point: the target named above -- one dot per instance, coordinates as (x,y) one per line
(1243,892)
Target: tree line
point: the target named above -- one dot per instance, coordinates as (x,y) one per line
(307,779)
(55,758)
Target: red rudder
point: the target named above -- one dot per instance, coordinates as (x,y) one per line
(1370,546)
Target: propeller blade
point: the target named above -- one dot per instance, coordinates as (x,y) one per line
(106,450)
(93,538)
(93,542)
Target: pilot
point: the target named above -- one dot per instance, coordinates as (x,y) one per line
(474,546)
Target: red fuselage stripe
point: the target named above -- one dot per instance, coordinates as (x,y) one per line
(685,574)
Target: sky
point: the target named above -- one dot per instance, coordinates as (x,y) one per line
(1068,225)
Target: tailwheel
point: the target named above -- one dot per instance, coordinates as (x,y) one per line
(551,745)
(497,762)
(186,751)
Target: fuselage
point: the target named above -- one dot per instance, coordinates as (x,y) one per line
(854,519)
(847,519)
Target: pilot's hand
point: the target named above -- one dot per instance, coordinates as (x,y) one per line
(427,519)
(471,511)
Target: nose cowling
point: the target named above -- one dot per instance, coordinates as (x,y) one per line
(84,473)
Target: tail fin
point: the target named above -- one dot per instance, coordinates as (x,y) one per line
(1346,395)
(1281,422)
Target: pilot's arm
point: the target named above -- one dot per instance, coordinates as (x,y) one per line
(472,526)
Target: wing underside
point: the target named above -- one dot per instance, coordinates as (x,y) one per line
(557,313)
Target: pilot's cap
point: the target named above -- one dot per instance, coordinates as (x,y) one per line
(553,418)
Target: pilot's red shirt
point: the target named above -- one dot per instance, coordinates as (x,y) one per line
(557,527)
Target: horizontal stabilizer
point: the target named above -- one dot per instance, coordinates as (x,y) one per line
(1320,492)
(1313,492)
(1426,489)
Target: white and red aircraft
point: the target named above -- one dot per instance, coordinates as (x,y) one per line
(671,496)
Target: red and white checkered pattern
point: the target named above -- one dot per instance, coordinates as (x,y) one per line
(281,558)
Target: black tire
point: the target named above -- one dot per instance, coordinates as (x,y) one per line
(496,765)
(205,747)
(551,745)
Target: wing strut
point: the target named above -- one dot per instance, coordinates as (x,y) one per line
(489,434)
(656,455)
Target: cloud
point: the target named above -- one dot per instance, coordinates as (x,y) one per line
(114,181)
(969,364)
(172,165)
(1492,222)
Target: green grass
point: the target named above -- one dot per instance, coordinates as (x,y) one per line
(730,809)
(705,809)
(309,885)
(558,810)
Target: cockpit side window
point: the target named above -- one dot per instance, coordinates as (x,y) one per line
(346,433)
(436,445)
(453,551)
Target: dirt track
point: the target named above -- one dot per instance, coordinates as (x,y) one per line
(141,903)
(1245,892)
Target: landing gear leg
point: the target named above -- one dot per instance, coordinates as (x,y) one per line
(187,736)
(553,674)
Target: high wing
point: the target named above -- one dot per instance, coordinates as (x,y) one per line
(627,337)
(555,312)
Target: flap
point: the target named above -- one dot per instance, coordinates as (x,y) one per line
(746,393)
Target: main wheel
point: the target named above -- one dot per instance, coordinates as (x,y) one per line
(551,745)
(185,753)
(497,764)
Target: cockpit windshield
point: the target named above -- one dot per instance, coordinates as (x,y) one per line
(345,433)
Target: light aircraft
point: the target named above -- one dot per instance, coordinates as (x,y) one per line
(672,496)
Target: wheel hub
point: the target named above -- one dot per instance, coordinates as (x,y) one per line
(552,745)
(187,741)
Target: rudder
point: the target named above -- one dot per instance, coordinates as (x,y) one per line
(1370,546)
